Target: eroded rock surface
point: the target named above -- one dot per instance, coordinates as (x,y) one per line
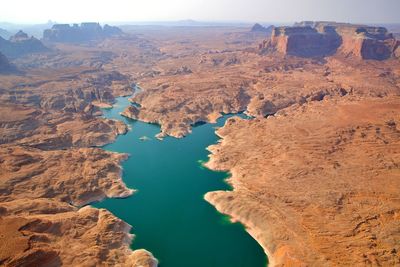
(37,232)
(259,85)
(316,184)
(83,175)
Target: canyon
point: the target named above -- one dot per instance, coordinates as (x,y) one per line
(315,168)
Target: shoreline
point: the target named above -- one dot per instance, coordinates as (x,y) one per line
(235,218)
(245,226)
(209,197)
(137,254)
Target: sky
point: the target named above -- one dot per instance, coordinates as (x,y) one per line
(68,11)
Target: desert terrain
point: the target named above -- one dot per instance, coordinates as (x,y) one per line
(315,172)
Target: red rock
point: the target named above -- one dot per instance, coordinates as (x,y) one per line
(320,39)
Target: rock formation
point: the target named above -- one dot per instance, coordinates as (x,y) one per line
(320,39)
(21,44)
(131,112)
(45,232)
(84,175)
(85,32)
(259,28)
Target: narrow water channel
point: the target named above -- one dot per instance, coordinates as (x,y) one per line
(169,216)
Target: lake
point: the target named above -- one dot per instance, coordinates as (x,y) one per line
(169,216)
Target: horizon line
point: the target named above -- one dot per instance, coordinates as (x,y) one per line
(141,22)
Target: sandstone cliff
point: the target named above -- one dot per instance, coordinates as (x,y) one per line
(319,39)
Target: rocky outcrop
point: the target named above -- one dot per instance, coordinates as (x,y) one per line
(68,92)
(21,44)
(131,112)
(45,232)
(316,185)
(320,39)
(85,32)
(259,28)
(303,41)
(83,175)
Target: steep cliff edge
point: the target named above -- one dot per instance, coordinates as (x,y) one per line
(320,39)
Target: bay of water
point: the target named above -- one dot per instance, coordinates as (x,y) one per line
(169,215)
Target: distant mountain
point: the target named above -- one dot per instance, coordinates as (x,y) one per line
(35,30)
(259,28)
(84,32)
(21,44)
(324,38)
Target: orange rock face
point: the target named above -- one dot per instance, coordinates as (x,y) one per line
(316,184)
(308,39)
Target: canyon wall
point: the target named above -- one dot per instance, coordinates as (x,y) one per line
(320,39)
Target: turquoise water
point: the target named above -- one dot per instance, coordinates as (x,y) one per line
(169,216)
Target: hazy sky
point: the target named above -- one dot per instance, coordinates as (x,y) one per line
(38,11)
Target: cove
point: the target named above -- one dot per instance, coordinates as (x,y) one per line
(168,214)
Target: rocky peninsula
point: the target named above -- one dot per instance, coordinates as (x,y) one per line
(315,177)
